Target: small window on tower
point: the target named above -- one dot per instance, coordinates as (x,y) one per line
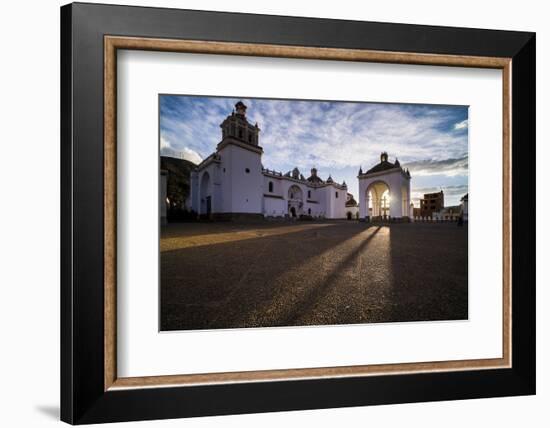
(309,193)
(336,194)
(271,186)
(247,170)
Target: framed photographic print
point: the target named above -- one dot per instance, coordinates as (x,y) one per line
(266,213)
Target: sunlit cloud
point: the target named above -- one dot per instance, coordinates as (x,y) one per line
(450,167)
(166,149)
(461,125)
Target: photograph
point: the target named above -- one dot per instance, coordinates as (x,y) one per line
(265,211)
(294,212)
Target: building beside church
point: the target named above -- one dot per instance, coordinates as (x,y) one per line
(431,203)
(432,208)
(232,182)
(352,207)
(452,213)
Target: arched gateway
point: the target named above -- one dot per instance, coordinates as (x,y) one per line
(295,201)
(384,191)
(206,195)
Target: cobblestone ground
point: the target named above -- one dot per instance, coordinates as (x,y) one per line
(225,275)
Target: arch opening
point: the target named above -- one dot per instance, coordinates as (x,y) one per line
(295,201)
(295,193)
(378,200)
(205,195)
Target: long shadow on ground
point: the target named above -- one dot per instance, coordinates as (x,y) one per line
(339,274)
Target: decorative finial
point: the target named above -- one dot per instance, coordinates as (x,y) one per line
(241,108)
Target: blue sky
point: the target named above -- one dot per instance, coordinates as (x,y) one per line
(334,137)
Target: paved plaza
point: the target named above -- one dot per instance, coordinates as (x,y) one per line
(227,275)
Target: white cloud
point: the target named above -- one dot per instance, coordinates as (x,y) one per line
(164,143)
(191,155)
(347,136)
(166,149)
(449,167)
(461,125)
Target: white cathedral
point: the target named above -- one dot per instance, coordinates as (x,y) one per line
(232,183)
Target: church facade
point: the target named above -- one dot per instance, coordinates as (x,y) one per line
(385,191)
(232,181)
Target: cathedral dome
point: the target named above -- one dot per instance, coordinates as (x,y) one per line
(314,178)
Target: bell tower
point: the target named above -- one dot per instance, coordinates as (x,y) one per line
(236,126)
(241,164)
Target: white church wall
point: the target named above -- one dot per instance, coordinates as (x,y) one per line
(227,185)
(244,171)
(217,188)
(203,190)
(274,204)
(313,209)
(274,207)
(335,202)
(329,202)
(277,186)
(204,183)
(340,204)
(315,202)
(362,199)
(396,192)
(326,202)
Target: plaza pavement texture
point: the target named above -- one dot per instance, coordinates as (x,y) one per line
(226,275)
